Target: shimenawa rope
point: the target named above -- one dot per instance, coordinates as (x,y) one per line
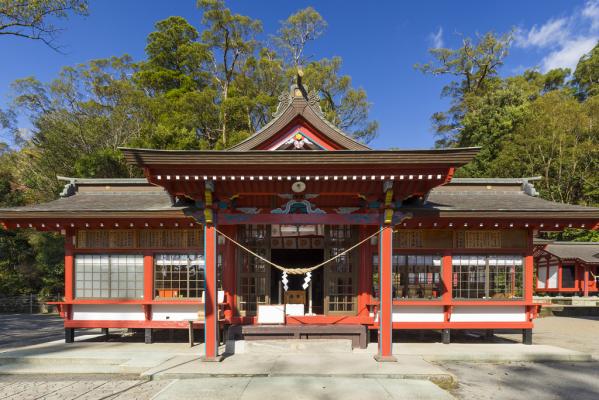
(300,271)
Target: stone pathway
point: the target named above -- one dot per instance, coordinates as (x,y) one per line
(267,388)
(79,389)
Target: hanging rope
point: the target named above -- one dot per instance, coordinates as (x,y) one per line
(300,271)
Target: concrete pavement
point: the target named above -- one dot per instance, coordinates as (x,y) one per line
(301,388)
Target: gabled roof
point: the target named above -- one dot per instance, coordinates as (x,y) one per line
(294,107)
(587,252)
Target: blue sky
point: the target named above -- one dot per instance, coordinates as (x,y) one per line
(379,41)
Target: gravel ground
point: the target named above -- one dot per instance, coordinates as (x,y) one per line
(18,330)
(580,381)
(82,388)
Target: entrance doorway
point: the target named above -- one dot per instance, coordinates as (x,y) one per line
(296,258)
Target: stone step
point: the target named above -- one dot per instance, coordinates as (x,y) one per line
(295,346)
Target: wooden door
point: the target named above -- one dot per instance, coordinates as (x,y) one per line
(253,277)
(340,275)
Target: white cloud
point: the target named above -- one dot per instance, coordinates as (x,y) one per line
(567,56)
(436,38)
(564,39)
(551,32)
(591,12)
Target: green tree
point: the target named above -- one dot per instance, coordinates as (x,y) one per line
(586,75)
(79,119)
(36,19)
(343,105)
(475,66)
(231,39)
(296,31)
(557,140)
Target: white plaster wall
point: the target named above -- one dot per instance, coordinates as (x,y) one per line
(552,283)
(542,277)
(176,312)
(418,314)
(108,312)
(488,314)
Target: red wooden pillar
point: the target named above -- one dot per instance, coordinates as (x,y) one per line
(210,297)
(69,267)
(528,270)
(148,277)
(365,273)
(229,273)
(148,284)
(586,280)
(447,277)
(385,352)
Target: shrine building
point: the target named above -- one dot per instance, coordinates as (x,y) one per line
(567,268)
(299,231)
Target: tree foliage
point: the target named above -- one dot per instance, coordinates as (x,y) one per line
(534,123)
(297,31)
(36,19)
(196,88)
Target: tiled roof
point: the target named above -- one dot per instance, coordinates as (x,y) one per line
(587,252)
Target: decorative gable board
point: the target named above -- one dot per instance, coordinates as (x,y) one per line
(299,135)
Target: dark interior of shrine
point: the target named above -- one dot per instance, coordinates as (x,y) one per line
(298,258)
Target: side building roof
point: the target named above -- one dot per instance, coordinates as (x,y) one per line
(586,252)
(495,198)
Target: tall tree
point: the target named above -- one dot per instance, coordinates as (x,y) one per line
(475,66)
(296,31)
(586,75)
(79,120)
(36,19)
(343,105)
(231,39)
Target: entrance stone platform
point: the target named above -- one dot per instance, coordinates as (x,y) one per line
(358,334)
(178,361)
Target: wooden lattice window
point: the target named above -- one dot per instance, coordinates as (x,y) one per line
(145,239)
(194,238)
(483,239)
(123,239)
(179,275)
(488,276)
(408,239)
(477,239)
(109,276)
(416,276)
(254,273)
(93,239)
(340,274)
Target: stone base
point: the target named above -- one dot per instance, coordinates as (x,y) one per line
(212,359)
(381,358)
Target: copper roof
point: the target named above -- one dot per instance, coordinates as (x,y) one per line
(455,157)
